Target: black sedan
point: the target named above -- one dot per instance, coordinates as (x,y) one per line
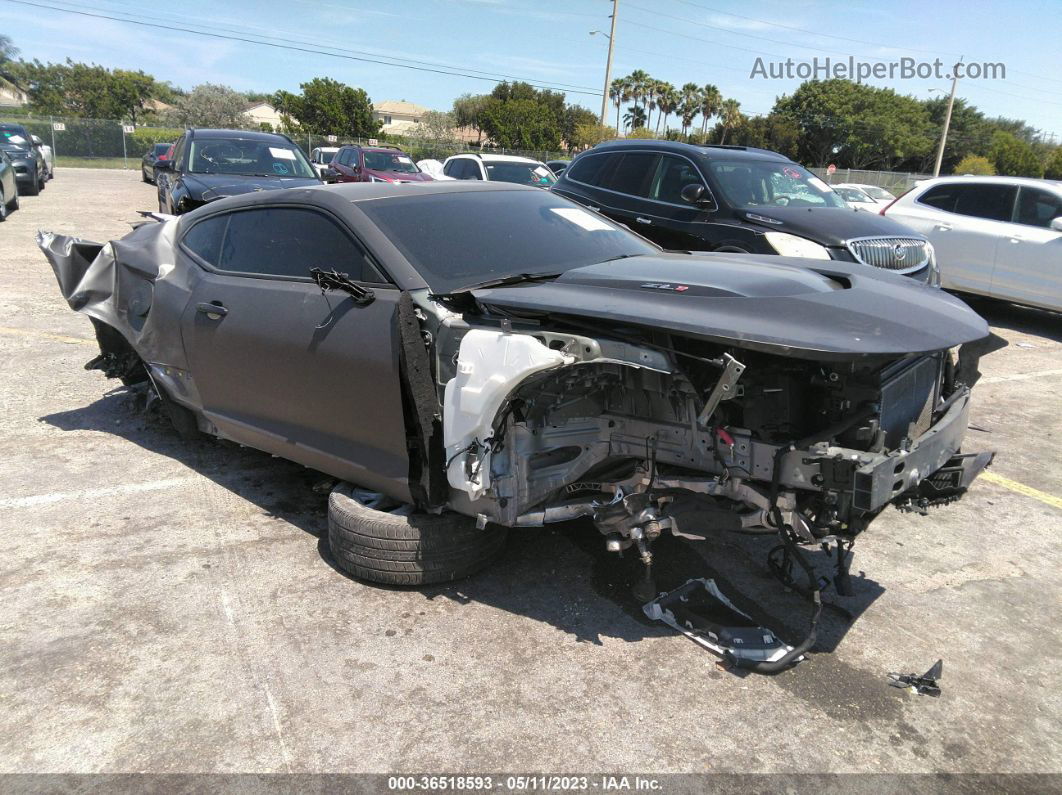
(27,166)
(468,356)
(150,158)
(211,164)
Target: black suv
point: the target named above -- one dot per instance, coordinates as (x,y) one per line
(737,199)
(212,164)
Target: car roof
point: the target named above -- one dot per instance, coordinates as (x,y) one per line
(709,151)
(489,158)
(248,135)
(1032,182)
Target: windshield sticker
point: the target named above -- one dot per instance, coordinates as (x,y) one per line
(819,185)
(402,159)
(542,171)
(281,154)
(791,172)
(280,169)
(16,139)
(582,218)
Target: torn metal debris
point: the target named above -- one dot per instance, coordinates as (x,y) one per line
(924,685)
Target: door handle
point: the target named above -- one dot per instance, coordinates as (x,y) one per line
(943,227)
(212,311)
(641,220)
(1015,238)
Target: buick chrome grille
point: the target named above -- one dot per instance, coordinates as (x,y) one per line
(890,253)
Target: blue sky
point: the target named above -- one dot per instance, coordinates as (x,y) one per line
(704,41)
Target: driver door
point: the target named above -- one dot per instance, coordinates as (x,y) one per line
(281,367)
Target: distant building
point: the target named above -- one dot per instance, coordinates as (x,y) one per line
(263,113)
(398,116)
(11,94)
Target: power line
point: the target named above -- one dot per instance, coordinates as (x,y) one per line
(449,71)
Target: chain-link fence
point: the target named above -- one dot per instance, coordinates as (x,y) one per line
(895,182)
(109,143)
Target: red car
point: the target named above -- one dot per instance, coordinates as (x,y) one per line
(374,164)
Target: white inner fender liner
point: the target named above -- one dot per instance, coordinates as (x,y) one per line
(490,365)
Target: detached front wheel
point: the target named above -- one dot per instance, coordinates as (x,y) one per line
(378,540)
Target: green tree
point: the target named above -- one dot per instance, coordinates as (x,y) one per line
(730,116)
(619,92)
(590,134)
(468,112)
(689,105)
(86,90)
(438,126)
(8,53)
(976,165)
(209,105)
(667,101)
(521,124)
(1053,169)
(328,107)
(1014,157)
(574,117)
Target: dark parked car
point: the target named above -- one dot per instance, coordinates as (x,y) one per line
(737,199)
(150,158)
(211,164)
(558,166)
(27,167)
(374,164)
(472,356)
(8,186)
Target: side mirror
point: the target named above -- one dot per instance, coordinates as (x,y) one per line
(694,193)
(1056,224)
(164,164)
(36,140)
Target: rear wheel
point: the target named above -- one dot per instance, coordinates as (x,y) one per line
(3,205)
(379,540)
(34,188)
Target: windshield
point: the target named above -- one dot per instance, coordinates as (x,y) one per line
(854,195)
(459,239)
(160,149)
(878,193)
(755,183)
(391,161)
(520,173)
(249,158)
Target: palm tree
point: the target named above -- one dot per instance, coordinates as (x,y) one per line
(619,94)
(635,116)
(689,104)
(639,81)
(652,91)
(731,116)
(710,100)
(667,101)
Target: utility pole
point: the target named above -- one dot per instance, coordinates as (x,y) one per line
(947,120)
(608,63)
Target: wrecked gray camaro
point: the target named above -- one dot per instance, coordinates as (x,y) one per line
(469,357)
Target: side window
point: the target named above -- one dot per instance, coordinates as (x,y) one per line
(1037,207)
(450,169)
(178,154)
(204,238)
(587,169)
(941,196)
(633,174)
(994,202)
(288,241)
(472,170)
(672,175)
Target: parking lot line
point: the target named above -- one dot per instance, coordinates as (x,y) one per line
(1021,488)
(25,332)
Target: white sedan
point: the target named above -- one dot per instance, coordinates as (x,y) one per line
(995,236)
(878,194)
(857,198)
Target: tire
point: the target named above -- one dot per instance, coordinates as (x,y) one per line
(41,181)
(14,203)
(144,176)
(34,188)
(404,548)
(3,206)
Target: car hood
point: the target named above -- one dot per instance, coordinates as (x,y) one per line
(398,176)
(828,226)
(782,305)
(207,187)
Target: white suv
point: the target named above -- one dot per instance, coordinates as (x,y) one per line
(499,168)
(994,236)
